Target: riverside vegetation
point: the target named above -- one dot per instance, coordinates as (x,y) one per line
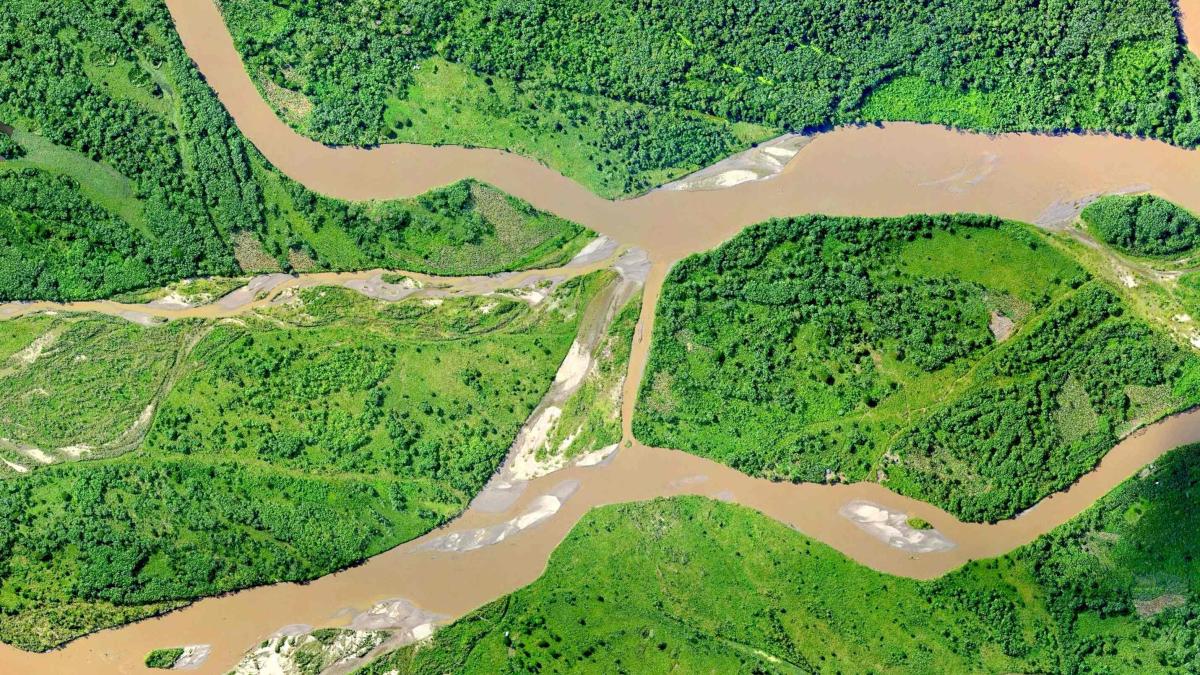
(1143,225)
(961,359)
(296,441)
(704,586)
(621,96)
(123,171)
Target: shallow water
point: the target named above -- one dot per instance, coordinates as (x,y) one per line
(869,171)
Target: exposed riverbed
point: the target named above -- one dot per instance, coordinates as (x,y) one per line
(868,171)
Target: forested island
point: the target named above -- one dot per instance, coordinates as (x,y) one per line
(961,360)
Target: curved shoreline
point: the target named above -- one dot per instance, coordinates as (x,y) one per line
(867,171)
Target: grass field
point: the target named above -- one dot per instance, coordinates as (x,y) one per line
(294,443)
(960,360)
(81,382)
(693,585)
(103,184)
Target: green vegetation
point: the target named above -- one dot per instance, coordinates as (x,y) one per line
(703,586)
(163,658)
(1143,225)
(294,443)
(465,228)
(75,384)
(122,171)
(919,524)
(622,96)
(9,149)
(961,359)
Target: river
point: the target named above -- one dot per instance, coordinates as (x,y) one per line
(870,171)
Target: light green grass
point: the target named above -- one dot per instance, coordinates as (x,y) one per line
(99,182)
(913,99)
(91,381)
(1008,260)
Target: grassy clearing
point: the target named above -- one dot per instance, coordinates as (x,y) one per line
(101,183)
(295,443)
(449,104)
(82,381)
(465,228)
(702,586)
(849,349)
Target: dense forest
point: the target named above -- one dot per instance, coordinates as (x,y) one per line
(959,359)
(122,170)
(295,442)
(622,94)
(1143,224)
(693,585)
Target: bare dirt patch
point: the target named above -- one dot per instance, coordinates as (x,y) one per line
(1001,326)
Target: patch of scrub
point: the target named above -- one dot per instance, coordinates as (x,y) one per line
(893,528)
(1153,606)
(539,510)
(35,348)
(16,467)
(37,455)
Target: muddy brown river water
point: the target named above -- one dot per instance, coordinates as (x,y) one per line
(870,171)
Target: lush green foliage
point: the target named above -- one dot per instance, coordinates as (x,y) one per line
(691,585)
(815,348)
(623,95)
(1143,224)
(163,658)
(133,175)
(10,149)
(107,81)
(331,429)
